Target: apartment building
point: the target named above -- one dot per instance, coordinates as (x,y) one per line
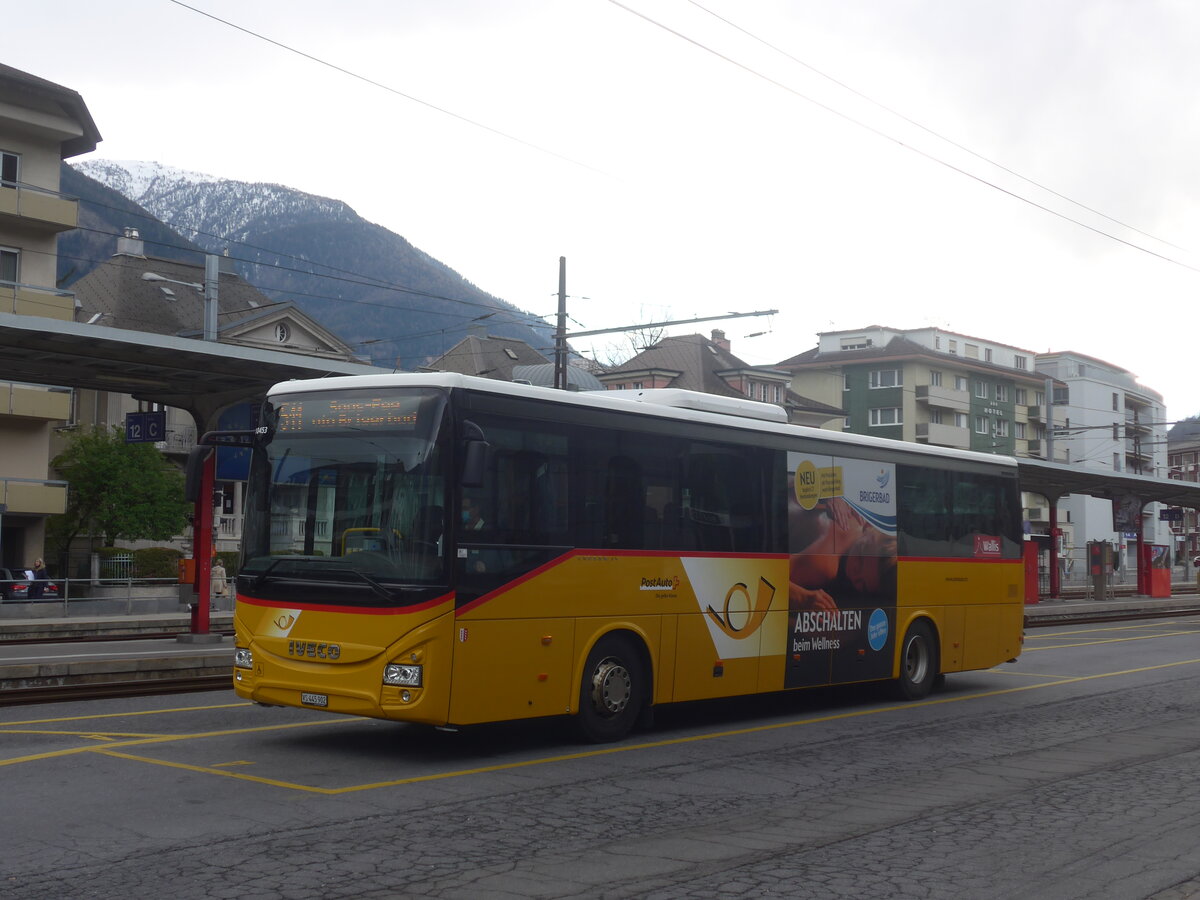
(930,386)
(41,124)
(933,386)
(1110,422)
(1183,462)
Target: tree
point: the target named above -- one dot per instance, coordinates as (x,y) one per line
(119,490)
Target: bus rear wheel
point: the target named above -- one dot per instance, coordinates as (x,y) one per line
(918,663)
(613,691)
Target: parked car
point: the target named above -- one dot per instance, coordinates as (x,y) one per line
(14,586)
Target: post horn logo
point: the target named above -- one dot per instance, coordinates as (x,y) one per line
(754,611)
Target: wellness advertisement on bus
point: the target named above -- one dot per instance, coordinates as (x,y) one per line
(842,564)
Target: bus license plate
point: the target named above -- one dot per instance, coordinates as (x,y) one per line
(314,699)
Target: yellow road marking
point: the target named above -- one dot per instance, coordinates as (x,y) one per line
(1115,640)
(172,738)
(118,715)
(588,754)
(106,735)
(1010,672)
(1130,626)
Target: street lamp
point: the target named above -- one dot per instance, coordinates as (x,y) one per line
(208,289)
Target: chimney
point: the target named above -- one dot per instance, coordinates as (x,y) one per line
(131,244)
(478,330)
(718,338)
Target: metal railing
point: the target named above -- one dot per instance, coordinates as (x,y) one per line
(106,596)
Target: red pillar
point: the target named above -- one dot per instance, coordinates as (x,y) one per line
(1031,572)
(1055,585)
(202,545)
(1143,561)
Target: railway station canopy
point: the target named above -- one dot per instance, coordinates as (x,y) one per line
(202,377)
(1056,480)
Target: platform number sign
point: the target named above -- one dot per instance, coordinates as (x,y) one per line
(145,427)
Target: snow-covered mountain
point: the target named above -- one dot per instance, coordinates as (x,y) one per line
(198,205)
(367,284)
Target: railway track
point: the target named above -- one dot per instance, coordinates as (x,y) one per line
(1122,615)
(61,693)
(104,638)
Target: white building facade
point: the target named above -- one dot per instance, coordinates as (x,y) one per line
(1108,422)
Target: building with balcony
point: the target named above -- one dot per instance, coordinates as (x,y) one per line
(933,386)
(1110,422)
(41,124)
(1183,463)
(930,386)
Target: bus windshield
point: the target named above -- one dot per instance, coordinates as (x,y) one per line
(346,501)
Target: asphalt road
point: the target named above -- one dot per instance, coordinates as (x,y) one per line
(1074,773)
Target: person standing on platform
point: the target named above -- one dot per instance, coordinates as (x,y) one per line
(220,582)
(37,585)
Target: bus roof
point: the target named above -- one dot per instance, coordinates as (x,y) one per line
(663,403)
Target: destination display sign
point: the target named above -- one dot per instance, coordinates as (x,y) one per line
(316,414)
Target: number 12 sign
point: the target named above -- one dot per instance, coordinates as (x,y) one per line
(145,427)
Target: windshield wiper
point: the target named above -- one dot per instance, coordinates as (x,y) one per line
(329,567)
(261,577)
(376,586)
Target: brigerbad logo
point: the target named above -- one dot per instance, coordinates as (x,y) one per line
(881,495)
(669,583)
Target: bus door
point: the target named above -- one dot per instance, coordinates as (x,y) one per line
(515,628)
(731,640)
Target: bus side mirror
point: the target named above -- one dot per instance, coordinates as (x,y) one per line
(475,463)
(193,471)
(475,454)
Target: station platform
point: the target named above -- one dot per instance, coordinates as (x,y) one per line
(68,652)
(95,650)
(1076,607)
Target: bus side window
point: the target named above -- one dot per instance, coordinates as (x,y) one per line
(942,511)
(923,511)
(624,504)
(722,492)
(524,497)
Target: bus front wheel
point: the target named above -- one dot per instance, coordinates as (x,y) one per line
(612,693)
(918,663)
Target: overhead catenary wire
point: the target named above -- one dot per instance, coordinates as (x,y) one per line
(384,87)
(879,132)
(347,275)
(404,95)
(514,314)
(927,129)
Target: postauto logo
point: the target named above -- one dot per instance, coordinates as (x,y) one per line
(670,583)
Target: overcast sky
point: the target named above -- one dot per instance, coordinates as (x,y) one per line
(847,162)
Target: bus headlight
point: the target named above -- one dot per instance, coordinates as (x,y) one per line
(243,658)
(402,674)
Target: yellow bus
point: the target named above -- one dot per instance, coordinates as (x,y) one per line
(598,554)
